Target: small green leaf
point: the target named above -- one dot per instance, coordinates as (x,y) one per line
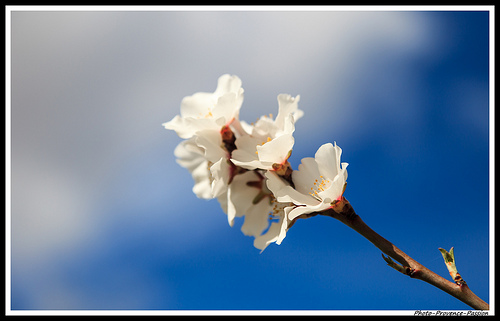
(447,256)
(449,260)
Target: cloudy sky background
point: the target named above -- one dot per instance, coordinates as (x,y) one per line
(103,218)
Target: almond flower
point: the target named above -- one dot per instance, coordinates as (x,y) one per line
(207,161)
(209,110)
(268,143)
(245,167)
(208,121)
(319,182)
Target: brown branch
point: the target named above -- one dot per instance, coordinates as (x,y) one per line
(344,212)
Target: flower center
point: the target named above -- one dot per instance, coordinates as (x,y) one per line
(207,115)
(319,186)
(228,139)
(278,208)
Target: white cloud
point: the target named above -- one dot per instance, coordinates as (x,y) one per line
(50,211)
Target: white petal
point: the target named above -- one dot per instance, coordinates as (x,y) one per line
(334,192)
(190,156)
(181,128)
(287,105)
(344,166)
(188,126)
(272,234)
(248,143)
(299,210)
(227,108)
(244,128)
(285,193)
(226,84)
(244,159)
(253,164)
(211,141)
(274,182)
(231,209)
(202,186)
(289,125)
(241,195)
(283,229)
(220,172)
(306,175)
(276,150)
(198,105)
(245,154)
(257,218)
(328,159)
(264,127)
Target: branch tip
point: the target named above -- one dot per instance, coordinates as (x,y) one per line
(449,260)
(406,270)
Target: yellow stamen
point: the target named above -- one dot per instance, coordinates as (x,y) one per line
(207,115)
(319,187)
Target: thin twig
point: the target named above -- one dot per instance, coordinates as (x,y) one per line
(344,212)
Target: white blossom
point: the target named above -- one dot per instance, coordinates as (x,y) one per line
(245,166)
(269,142)
(209,110)
(319,182)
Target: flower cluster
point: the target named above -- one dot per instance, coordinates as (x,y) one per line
(245,166)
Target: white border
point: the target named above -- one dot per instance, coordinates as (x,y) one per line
(7,163)
(492,159)
(250,312)
(254,8)
(10,9)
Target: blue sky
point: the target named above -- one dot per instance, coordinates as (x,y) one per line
(103,218)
